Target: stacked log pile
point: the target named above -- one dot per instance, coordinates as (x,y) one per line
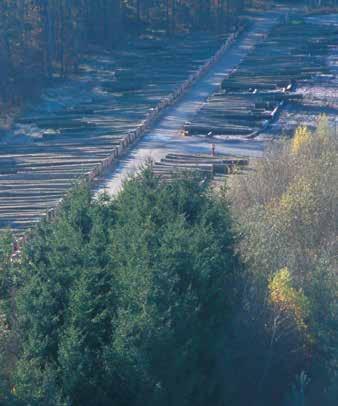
(252,96)
(315,96)
(34,177)
(208,166)
(80,131)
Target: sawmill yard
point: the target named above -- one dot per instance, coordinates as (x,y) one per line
(292,69)
(279,73)
(77,124)
(168,203)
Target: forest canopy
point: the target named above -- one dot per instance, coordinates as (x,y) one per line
(128,301)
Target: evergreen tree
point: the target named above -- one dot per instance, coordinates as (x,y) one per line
(129,301)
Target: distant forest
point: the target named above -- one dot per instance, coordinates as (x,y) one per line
(43,39)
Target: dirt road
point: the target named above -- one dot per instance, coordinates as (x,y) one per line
(165,136)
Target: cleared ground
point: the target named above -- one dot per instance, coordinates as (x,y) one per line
(319,94)
(77,123)
(165,136)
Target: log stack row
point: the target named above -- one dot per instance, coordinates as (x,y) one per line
(208,166)
(252,96)
(81,128)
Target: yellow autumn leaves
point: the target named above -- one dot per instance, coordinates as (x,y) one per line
(303,135)
(299,201)
(301,138)
(287,215)
(288,300)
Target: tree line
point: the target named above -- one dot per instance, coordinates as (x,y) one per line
(44,39)
(175,294)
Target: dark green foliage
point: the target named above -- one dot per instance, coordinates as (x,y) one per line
(169,246)
(131,301)
(6,249)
